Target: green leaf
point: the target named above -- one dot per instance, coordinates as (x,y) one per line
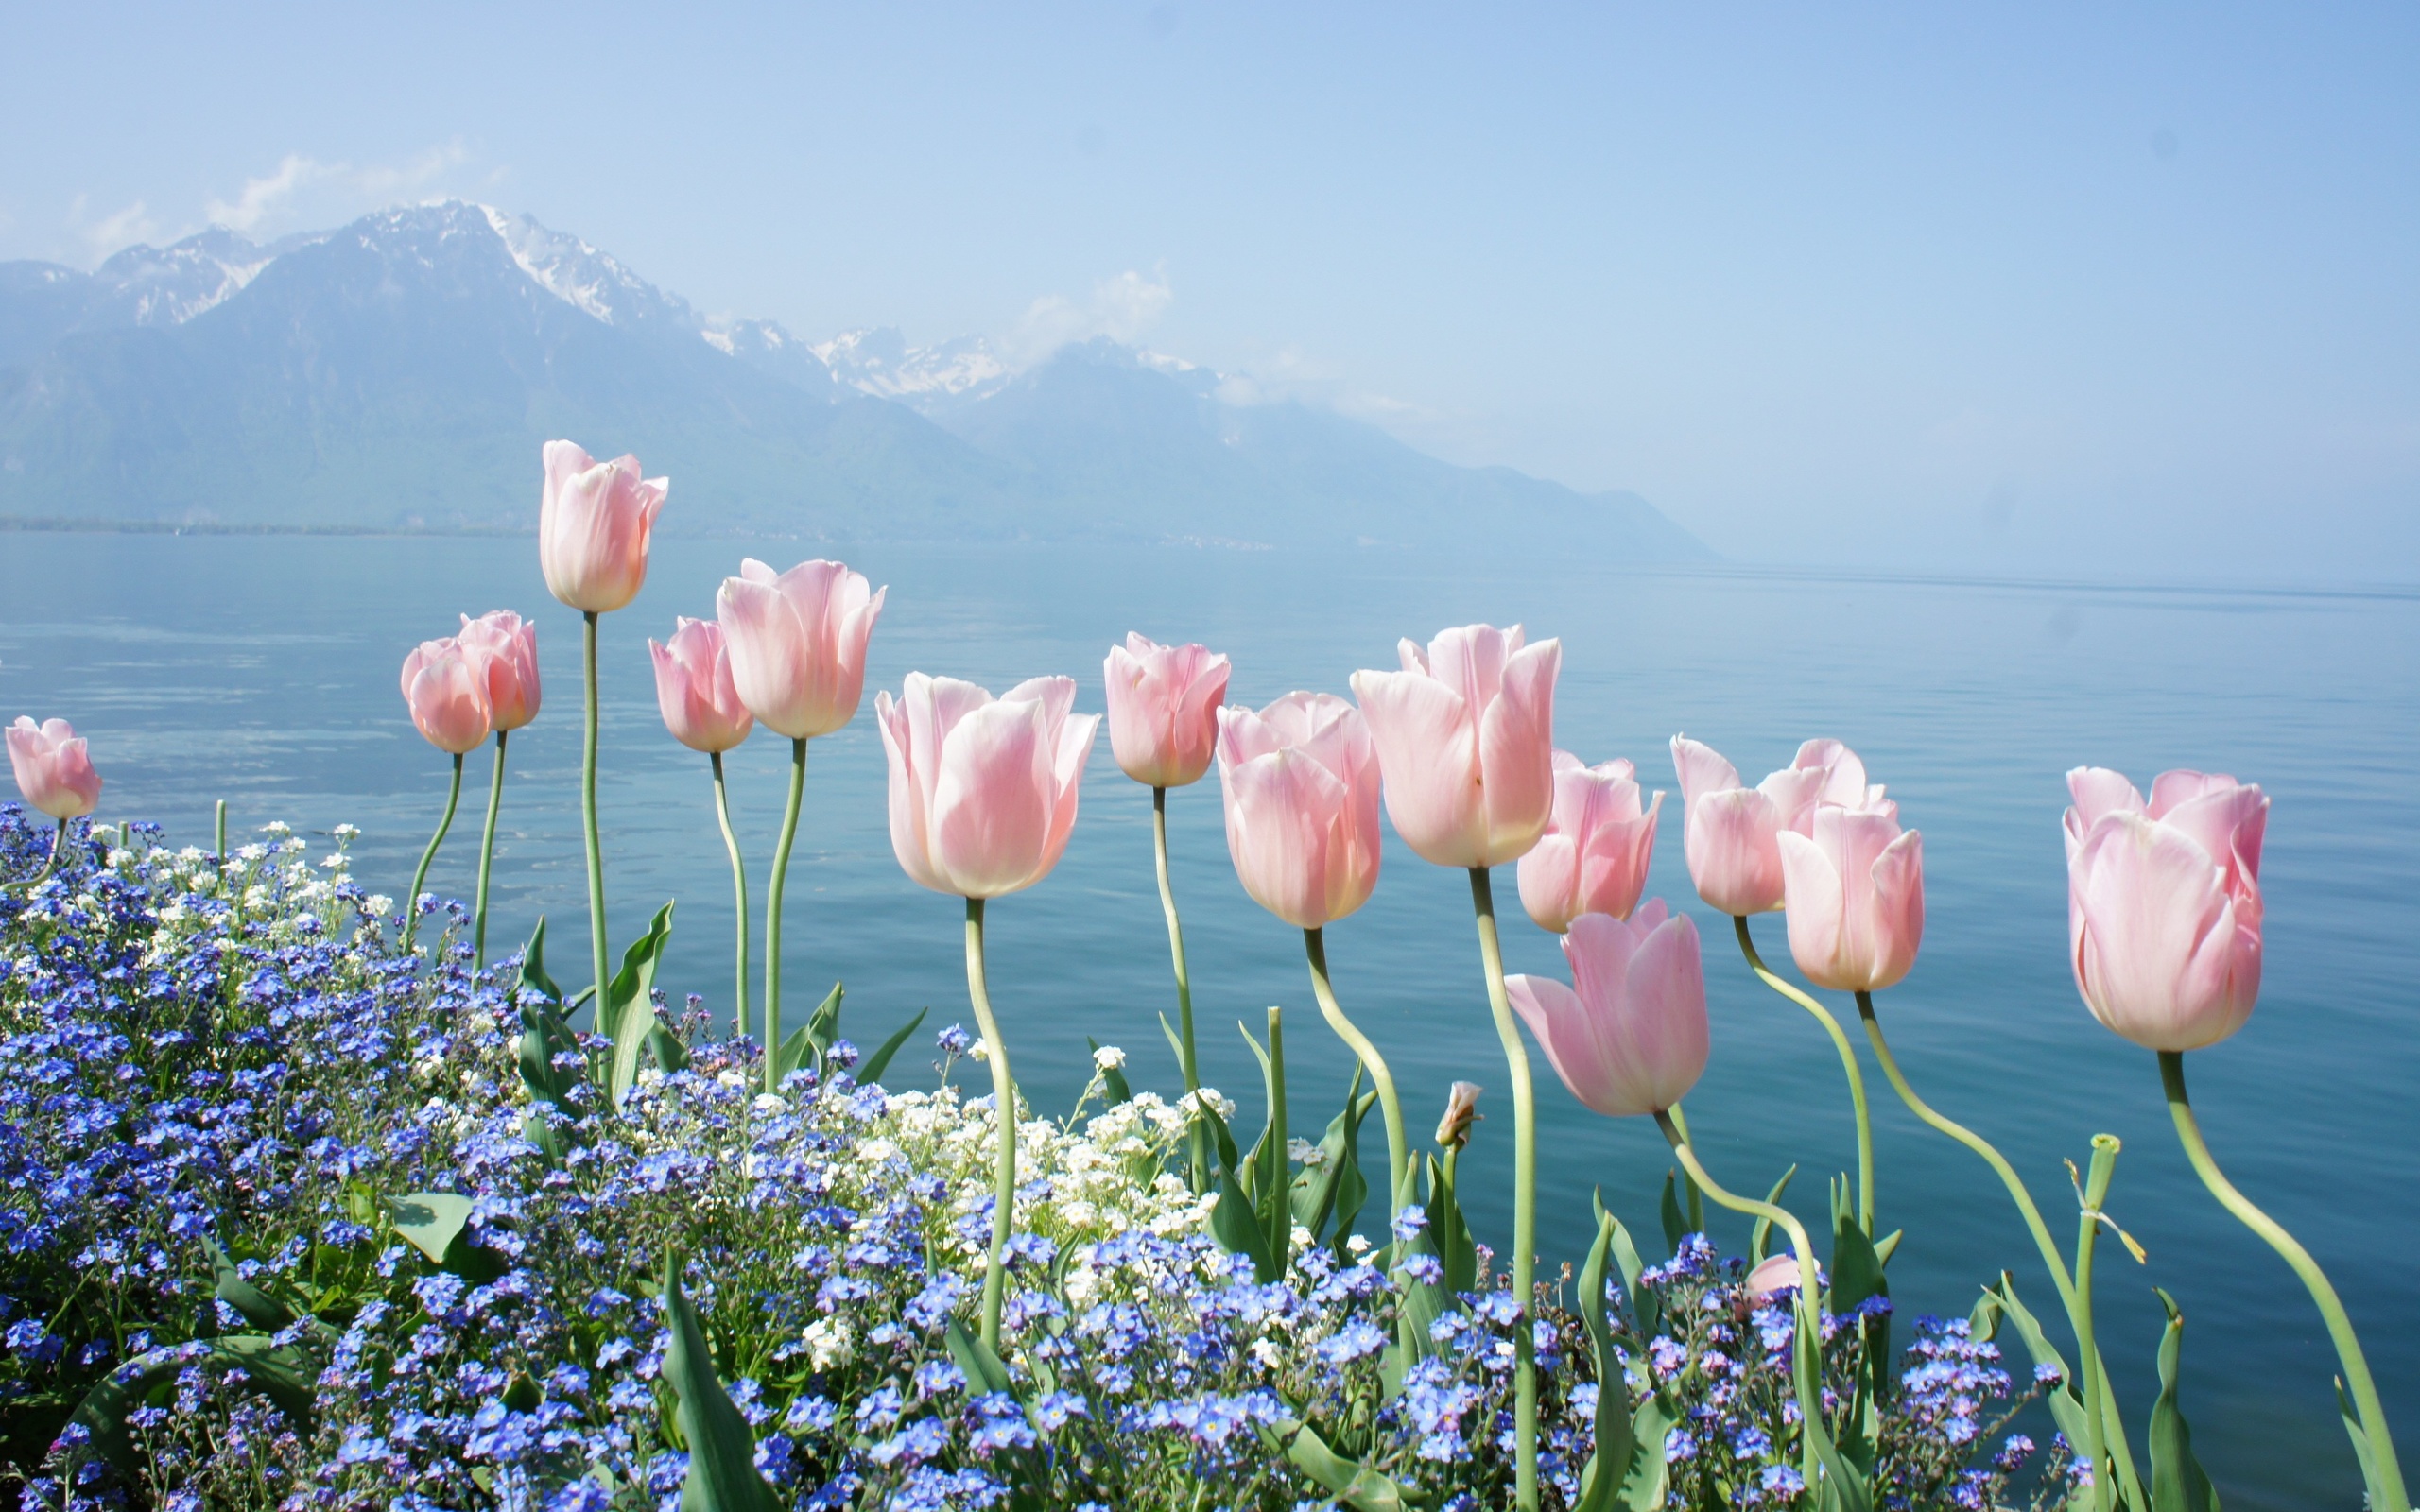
(2352,1417)
(794,1053)
(2178,1482)
(628,1011)
(1318,1188)
(824,1024)
(260,1309)
(1888,1245)
(533,964)
(1239,1230)
(974,1358)
(879,1061)
(287,1375)
(1352,1484)
(1646,1486)
(2065,1400)
(722,1452)
(1676,1227)
(1455,1245)
(1760,1237)
(1600,1481)
(1857,1273)
(431,1220)
(665,1049)
(1113,1081)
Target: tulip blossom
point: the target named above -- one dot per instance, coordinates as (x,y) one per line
(1593,857)
(1844,781)
(595,520)
(797,642)
(1628,1035)
(447,695)
(982,790)
(695,688)
(1163,708)
(1773,1276)
(1465,736)
(2163,903)
(1856,893)
(1300,780)
(502,647)
(54,770)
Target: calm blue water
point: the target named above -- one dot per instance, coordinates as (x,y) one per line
(263,671)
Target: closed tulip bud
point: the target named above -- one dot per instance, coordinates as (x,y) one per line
(1773,1276)
(1461,1111)
(1300,782)
(983,790)
(1466,737)
(797,642)
(1594,856)
(1628,1035)
(1164,710)
(1733,831)
(694,688)
(447,697)
(595,522)
(502,648)
(54,770)
(2164,906)
(1856,895)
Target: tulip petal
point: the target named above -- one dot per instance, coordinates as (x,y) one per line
(1427,748)
(992,808)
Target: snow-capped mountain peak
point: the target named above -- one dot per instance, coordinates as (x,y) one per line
(879,361)
(169,285)
(581,276)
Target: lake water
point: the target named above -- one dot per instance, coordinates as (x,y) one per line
(263,671)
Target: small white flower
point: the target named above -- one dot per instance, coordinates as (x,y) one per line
(1304,1153)
(376,904)
(251,852)
(1109,1058)
(767,1103)
(346,833)
(334,860)
(1358,1245)
(981,1051)
(733,1079)
(1193,1103)
(190,853)
(277,827)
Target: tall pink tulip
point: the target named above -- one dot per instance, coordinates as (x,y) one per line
(447,697)
(1594,856)
(2164,907)
(54,770)
(1301,781)
(695,688)
(1629,1037)
(983,790)
(797,642)
(1856,894)
(1843,772)
(1465,736)
(595,522)
(1163,708)
(1733,831)
(502,647)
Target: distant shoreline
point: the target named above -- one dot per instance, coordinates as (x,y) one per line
(61,526)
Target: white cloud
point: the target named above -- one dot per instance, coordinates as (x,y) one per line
(263,196)
(1123,308)
(303,187)
(122,228)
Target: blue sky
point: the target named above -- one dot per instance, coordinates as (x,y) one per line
(2105,291)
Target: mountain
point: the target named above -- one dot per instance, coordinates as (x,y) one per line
(401,372)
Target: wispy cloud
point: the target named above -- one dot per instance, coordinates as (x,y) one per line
(120,227)
(304,185)
(1123,307)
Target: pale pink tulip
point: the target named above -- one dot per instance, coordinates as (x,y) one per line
(1593,858)
(1163,708)
(1732,839)
(982,790)
(1629,1037)
(1856,893)
(595,520)
(54,770)
(797,642)
(1773,1276)
(2164,906)
(503,648)
(693,686)
(1843,777)
(447,697)
(1301,781)
(1465,736)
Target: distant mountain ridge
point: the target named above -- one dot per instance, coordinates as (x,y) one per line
(400,372)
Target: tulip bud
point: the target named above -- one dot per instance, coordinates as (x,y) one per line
(982,790)
(502,648)
(595,522)
(1594,855)
(1461,1111)
(1465,738)
(694,688)
(1628,1035)
(1855,891)
(447,697)
(1164,710)
(54,770)
(1300,782)
(797,642)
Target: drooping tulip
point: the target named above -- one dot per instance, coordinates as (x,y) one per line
(2164,907)
(1164,704)
(1300,782)
(1629,1037)
(54,769)
(447,695)
(1466,737)
(595,522)
(1732,830)
(983,790)
(1594,856)
(797,642)
(502,647)
(1856,894)
(695,688)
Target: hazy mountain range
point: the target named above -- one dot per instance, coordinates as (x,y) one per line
(400,371)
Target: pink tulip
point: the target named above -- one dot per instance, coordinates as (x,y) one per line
(2164,904)
(693,686)
(1300,780)
(503,648)
(982,790)
(595,520)
(797,642)
(1843,777)
(446,696)
(54,770)
(1856,893)
(1732,835)
(1629,1037)
(1593,857)
(1466,737)
(1163,708)
(1773,1276)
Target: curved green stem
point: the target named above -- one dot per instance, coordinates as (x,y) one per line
(1848,1065)
(773,909)
(1399,1139)
(2383,1464)
(58,845)
(1004,1098)
(739,890)
(1199,1138)
(487,857)
(411,905)
(2096,1377)
(1525,1193)
(1697,1199)
(588,816)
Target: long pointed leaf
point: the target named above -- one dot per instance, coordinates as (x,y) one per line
(1760,1237)
(722,1452)
(627,1012)
(2178,1482)
(1353,1484)
(1600,1483)
(879,1061)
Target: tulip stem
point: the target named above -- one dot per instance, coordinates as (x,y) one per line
(1697,1199)
(773,904)
(739,890)
(1848,1065)
(1004,1099)
(1399,1171)
(487,858)
(411,904)
(1190,1066)
(1525,1194)
(2387,1475)
(58,844)
(222,829)
(2096,1378)
(588,818)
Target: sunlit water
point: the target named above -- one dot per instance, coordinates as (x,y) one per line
(263,671)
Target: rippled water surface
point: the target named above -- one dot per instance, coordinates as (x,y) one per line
(263,671)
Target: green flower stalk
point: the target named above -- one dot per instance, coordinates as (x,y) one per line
(411,904)
(2096,1377)
(1848,1067)
(740,894)
(594,836)
(487,855)
(58,844)
(1004,1098)
(773,904)
(1399,1168)
(1525,1193)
